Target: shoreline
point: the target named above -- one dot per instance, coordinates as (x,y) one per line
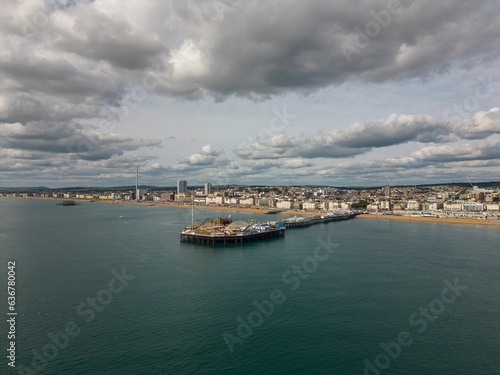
(215,208)
(186,206)
(456,221)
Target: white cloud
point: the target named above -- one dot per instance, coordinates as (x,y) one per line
(481,125)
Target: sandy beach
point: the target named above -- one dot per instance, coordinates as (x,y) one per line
(432,220)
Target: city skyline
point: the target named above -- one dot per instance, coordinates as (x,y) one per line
(328,94)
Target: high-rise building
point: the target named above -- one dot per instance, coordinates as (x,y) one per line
(137,190)
(208,188)
(182,186)
(387,191)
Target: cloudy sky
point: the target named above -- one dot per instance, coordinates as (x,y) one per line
(251,92)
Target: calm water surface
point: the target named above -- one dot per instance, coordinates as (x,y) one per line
(181,300)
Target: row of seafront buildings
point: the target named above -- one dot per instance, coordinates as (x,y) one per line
(279,198)
(446,200)
(475,202)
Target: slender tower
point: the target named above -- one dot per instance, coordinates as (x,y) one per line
(137,197)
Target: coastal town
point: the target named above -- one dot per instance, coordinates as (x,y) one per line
(438,201)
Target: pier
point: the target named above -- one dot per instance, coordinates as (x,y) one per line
(225,231)
(231,238)
(301,222)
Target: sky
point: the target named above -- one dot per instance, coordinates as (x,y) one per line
(283,92)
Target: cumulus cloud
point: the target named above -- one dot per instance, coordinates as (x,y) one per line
(479,154)
(207,157)
(356,139)
(481,125)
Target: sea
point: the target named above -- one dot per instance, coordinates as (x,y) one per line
(109,289)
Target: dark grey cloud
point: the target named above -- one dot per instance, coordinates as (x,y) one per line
(87,54)
(261,49)
(70,139)
(250,48)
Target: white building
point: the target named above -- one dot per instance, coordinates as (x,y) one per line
(435,206)
(232,201)
(453,206)
(310,206)
(210,200)
(208,188)
(386,205)
(473,207)
(414,205)
(284,205)
(334,206)
(493,207)
(247,201)
(346,205)
(139,194)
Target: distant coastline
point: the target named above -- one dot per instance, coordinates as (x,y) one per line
(459,221)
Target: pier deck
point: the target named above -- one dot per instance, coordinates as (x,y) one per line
(230,238)
(290,223)
(218,234)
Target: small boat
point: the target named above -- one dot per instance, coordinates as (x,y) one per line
(122,217)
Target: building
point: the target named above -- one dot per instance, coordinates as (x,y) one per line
(247,201)
(386,206)
(414,205)
(387,191)
(493,207)
(232,201)
(182,186)
(310,206)
(346,205)
(167,196)
(473,207)
(284,205)
(208,188)
(139,194)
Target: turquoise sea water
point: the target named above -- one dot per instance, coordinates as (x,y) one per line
(363,288)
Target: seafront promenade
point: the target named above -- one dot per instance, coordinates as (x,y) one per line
(441,220)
